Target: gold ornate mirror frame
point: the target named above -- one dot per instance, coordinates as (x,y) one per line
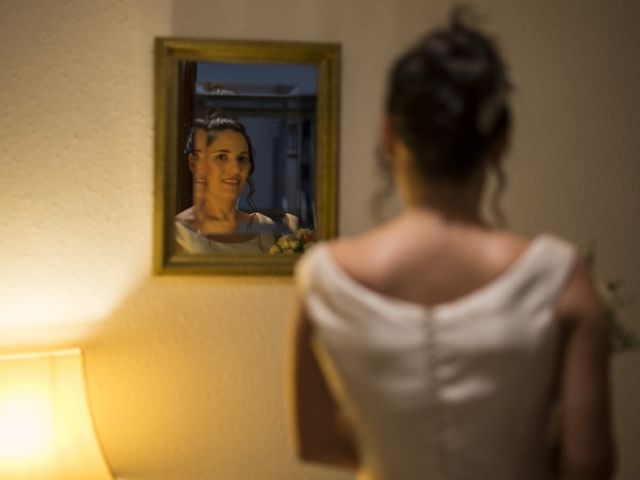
(171,56)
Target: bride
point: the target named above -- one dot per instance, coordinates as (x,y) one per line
(221,160)
(435,346)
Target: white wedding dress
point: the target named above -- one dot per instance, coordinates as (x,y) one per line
(192,242)
(459,391)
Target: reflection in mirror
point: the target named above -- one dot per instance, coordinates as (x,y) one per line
(246,154)
(247,149)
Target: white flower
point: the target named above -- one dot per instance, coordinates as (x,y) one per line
(274,249)
(296,242)
(621,337)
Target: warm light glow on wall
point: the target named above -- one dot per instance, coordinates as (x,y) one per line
(49,313)
(52,295)
(54,305)
(46,429)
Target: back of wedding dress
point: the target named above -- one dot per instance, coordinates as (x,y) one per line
(458,391)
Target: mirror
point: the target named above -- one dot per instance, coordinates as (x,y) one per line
(246,154)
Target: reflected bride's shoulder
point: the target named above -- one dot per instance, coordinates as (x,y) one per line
(261,218)
(187,218)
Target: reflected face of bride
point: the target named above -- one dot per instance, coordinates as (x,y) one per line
(222,167)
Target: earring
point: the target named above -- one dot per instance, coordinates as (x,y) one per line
(497,194)
(384,192)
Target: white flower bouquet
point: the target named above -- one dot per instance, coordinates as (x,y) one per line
(296,242)
(621,337)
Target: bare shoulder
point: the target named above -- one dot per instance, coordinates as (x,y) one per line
(350,252)
(503,247)
(365,257)
(427,262)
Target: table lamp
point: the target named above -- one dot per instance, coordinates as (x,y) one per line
(46,428)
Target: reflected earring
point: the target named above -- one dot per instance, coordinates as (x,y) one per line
(497,194)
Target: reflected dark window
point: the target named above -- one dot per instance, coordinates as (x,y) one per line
(277,105)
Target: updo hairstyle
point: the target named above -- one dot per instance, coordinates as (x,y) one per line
(216,122)
(447,100)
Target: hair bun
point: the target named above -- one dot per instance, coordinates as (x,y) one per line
(215,113)
(447,98)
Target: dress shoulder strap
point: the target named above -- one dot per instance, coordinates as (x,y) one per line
(552,265)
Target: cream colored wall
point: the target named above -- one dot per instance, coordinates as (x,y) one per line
(186,374)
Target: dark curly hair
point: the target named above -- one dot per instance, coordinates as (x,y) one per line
(216,122)
(448,99)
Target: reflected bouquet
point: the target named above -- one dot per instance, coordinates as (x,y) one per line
(296,242)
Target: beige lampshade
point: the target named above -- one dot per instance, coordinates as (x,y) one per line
(46,428)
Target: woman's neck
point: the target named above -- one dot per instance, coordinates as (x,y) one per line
(217,216)
(222,209)
(453,201)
